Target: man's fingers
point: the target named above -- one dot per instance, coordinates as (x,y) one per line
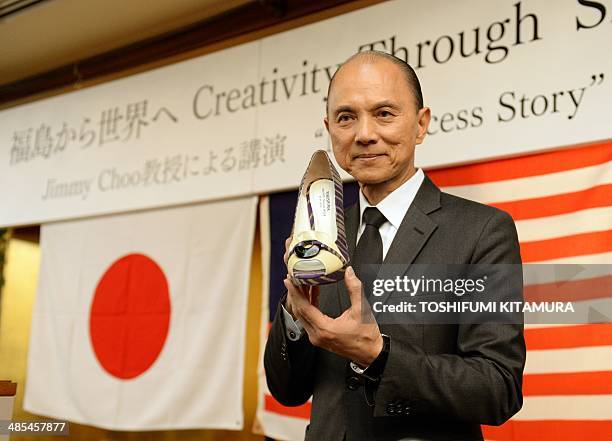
(287,243)
(318,327)
(295,298)
(314,316)
(310,329)
(301,298)
(298,294)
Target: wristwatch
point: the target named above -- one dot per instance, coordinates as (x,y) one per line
(374,371)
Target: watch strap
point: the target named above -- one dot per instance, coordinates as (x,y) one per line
(375,370)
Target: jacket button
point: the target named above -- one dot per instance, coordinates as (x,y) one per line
(353,383)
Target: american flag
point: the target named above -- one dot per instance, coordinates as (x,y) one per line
(561,201)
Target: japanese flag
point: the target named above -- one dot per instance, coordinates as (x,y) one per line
(140,319)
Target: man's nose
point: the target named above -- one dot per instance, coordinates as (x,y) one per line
(366,132)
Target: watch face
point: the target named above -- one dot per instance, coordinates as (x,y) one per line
(356,368)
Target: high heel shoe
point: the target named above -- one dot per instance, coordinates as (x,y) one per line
(318,253)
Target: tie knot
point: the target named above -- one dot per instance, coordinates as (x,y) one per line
(372,216)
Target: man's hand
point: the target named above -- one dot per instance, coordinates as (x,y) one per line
(354,335)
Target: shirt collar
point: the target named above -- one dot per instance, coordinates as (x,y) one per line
(395,205)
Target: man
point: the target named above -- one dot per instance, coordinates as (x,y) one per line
(374,381)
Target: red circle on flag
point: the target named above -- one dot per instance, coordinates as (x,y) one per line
(130,316)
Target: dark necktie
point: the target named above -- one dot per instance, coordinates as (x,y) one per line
(369,250)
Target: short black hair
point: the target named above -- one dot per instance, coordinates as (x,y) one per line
(411,77)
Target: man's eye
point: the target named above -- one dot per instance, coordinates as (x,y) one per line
(385,113)
(344,118)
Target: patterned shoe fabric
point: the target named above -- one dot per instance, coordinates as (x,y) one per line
(318,252)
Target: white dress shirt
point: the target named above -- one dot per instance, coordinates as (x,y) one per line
(394,207)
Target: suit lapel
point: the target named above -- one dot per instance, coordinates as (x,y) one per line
(416,227)
(413,233)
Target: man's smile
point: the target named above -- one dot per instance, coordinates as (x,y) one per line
(367,157)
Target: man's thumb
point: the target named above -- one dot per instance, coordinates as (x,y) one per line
(353,284)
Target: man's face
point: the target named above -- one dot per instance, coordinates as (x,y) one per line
(374,124)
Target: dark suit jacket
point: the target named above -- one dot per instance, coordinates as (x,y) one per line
(440,381)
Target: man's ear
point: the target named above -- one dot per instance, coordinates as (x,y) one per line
(423,119)
(326,122)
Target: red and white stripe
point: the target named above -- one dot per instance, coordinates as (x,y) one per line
(561,202)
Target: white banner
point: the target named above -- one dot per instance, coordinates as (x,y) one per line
(502,78)
(140,319)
